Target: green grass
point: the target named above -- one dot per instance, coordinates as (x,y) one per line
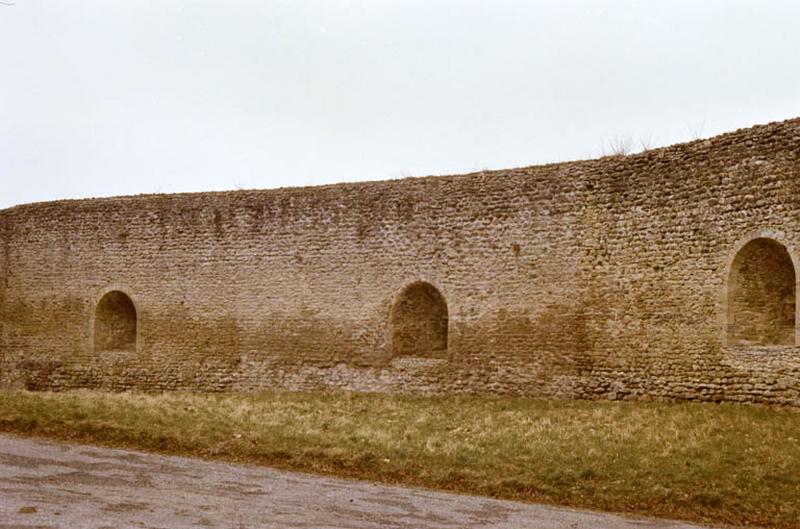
(730,464)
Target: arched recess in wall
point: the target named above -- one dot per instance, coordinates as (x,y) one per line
(761,295)
(418,322)
(115,323)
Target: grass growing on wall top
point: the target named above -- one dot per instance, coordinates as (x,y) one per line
(716,463)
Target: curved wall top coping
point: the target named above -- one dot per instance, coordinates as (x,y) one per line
(604,168)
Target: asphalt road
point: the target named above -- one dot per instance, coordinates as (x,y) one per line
(46,484)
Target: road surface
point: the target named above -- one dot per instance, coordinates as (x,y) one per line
(46,484)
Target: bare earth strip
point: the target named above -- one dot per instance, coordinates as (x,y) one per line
(46,484)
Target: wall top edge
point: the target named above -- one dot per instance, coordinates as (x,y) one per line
(749,136)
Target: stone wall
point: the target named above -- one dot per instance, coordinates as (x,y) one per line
(605,278)
(4,343)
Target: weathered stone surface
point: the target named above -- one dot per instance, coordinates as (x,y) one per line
(604,278)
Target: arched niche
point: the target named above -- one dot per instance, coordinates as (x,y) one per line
(418,322)
(761,295)
(115,323)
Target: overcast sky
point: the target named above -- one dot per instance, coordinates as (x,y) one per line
(105,97)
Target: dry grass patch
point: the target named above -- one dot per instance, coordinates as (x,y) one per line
(730,464)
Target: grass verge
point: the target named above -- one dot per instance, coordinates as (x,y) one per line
(729,464)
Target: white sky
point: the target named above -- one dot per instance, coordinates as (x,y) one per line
(108,97)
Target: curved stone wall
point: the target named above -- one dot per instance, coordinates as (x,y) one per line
(594,279)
